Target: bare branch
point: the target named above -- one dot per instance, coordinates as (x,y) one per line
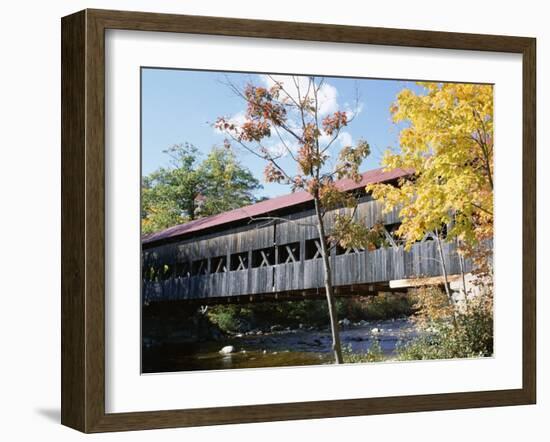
(266,157)
(280,84)
(332,141)
(277,218)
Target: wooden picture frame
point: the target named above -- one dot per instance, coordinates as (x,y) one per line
(83,220)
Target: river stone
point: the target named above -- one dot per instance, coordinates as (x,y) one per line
(227,350)
(345,322)
(375,331)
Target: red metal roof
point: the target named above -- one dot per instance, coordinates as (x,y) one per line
(269,206)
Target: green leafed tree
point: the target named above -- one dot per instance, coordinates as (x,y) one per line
(226,184)
(190,188)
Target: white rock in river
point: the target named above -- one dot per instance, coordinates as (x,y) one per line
(345,322)
(227,350)
(375,331)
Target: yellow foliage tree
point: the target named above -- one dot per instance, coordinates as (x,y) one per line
(448,142)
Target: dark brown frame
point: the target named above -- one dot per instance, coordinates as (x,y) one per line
(83,215)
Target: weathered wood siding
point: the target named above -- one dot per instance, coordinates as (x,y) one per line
(258,234)
(349,269)
(376,266)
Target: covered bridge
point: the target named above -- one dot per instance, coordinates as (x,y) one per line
(271,250)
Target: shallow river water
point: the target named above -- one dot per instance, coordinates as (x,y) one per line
(278,348)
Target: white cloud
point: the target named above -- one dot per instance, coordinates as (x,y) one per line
(279,144)
(352,112)
(328,99)
(237,119)
(299,86)
(345,139)
(280,149)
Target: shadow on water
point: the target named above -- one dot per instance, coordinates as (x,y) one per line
(276,349)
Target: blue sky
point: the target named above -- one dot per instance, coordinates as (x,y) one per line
(179,106)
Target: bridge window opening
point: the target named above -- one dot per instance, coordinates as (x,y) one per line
(313,249)
(149,273)
(392,228)
(218,264)
(289,253)
(263,257)
(156,274)
(342,250)
(166,271)
(348,250)
(239,261)
(182,270)
(430,236)
(153,273)
(199,267)
(159,272)
(388,237)
(145,273)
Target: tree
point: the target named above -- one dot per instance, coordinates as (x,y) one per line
(448,142)
(225,183)
(169,194)
(189,189)
(285,126)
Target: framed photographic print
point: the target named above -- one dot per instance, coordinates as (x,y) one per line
(270,220)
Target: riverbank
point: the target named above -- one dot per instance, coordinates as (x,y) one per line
(309,313)
(279,347)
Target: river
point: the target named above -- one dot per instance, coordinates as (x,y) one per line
(278,348)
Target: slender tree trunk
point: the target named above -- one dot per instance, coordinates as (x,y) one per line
(461,263)
(329,289)
(445,277)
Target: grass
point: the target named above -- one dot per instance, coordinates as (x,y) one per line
(373,354)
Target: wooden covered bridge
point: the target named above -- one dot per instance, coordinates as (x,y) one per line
(271,250)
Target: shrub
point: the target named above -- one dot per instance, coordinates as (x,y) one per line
(390,305)
(242,317)
(229,318)
(471,336)
(379,307)
(373,354)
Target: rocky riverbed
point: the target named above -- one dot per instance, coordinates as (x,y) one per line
(274,347)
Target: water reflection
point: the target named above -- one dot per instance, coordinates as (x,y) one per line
(277,349)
